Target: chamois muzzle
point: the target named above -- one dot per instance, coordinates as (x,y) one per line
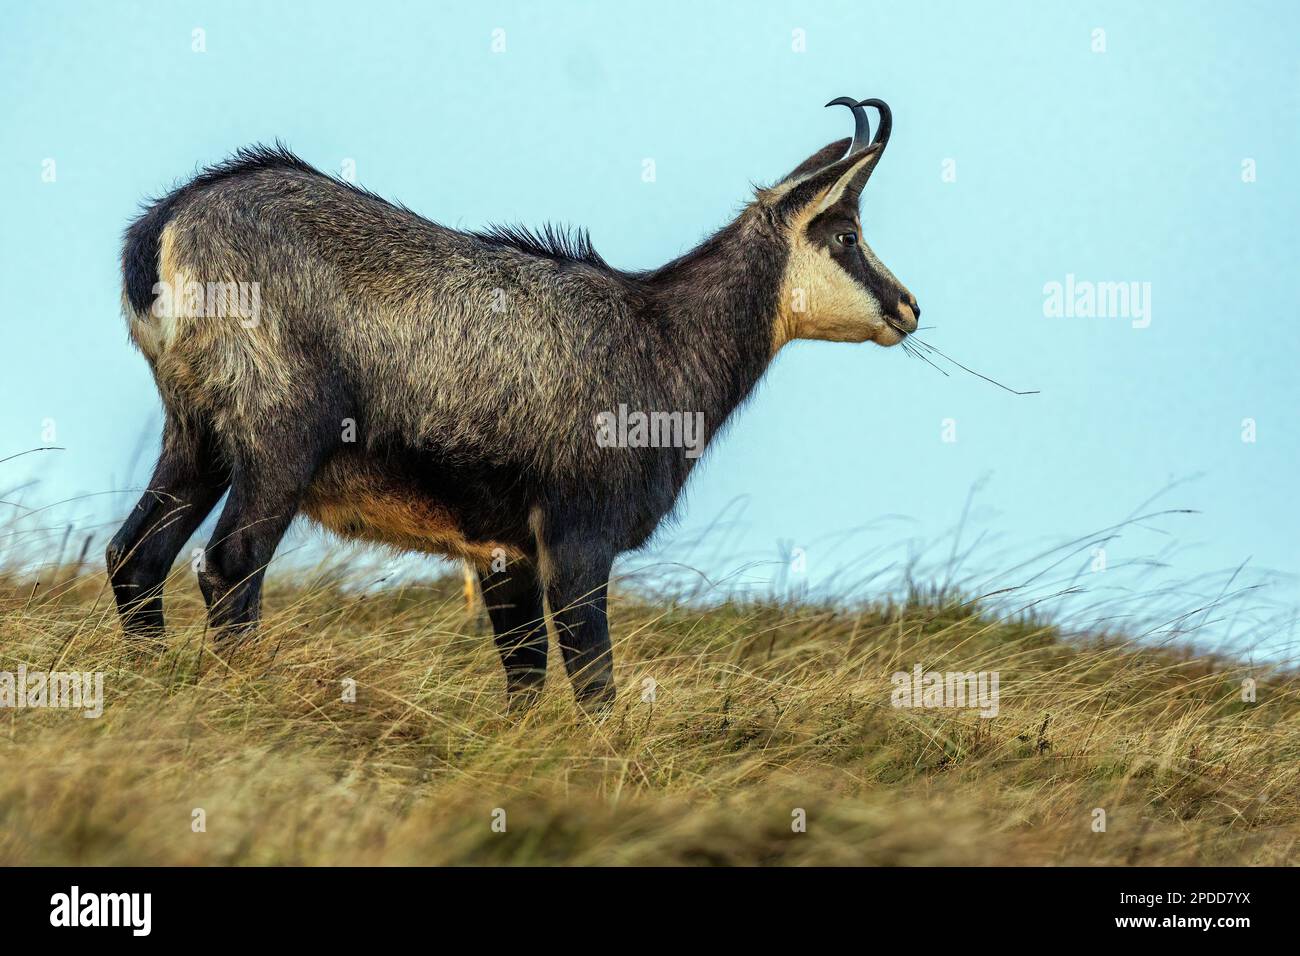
(909,312)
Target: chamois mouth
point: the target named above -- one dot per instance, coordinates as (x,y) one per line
(899,333)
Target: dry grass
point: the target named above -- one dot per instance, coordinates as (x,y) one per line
(759,710)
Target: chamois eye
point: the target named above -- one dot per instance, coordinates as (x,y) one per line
(847,238)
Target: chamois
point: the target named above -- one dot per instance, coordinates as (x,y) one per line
(444,391)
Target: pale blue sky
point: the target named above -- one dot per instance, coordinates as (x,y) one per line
(1123,165)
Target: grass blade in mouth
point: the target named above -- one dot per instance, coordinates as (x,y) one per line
(912,339)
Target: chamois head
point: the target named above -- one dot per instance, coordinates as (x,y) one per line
(834,288)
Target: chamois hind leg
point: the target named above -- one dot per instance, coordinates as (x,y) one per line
(187,482)
(577,581)
(514,603)
(268,481)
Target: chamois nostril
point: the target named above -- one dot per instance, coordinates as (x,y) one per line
(909,313)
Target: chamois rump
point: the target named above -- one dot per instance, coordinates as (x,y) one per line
(470,367)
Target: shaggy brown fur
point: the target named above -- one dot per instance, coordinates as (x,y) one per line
(436,390)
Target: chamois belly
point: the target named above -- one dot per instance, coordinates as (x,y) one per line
(355,499)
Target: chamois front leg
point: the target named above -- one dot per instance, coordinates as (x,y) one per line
(514,603)
(576,587)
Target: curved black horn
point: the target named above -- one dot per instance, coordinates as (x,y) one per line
(886,121)
(861,126)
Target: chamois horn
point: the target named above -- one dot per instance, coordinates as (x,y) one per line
(861,127)
(886,121)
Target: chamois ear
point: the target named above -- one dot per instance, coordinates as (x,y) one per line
(840,182)
(823,157)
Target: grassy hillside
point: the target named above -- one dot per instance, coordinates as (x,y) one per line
(758,711)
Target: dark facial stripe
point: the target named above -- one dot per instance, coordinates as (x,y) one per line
(822,232)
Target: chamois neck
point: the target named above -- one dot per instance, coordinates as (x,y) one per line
(716,306)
